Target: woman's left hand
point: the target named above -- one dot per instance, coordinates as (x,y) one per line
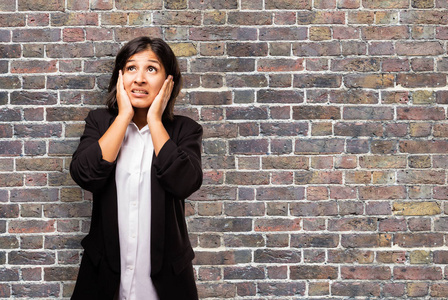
(159,104)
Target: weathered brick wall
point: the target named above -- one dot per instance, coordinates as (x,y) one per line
(325,148)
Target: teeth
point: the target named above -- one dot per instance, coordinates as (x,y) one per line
(139,92)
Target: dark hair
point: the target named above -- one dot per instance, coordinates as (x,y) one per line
(166,57)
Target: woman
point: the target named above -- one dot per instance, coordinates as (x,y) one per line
(140,162)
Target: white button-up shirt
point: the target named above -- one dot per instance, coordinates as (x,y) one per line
(133,180)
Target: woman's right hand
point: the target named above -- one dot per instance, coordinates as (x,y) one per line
(125,108)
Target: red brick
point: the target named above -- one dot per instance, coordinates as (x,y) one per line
(424,17)
(283,33)
(280,65)
(417,273)
(320,17)
(382,192)
(288,4)
(410,240)
(385,33)
(41,5)
(366,273)
(353,224)
(354,289)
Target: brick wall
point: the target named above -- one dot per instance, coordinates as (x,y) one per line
(325,148)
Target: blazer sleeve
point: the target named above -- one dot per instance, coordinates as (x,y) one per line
(178,165)
(88,168)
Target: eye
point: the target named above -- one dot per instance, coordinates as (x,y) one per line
(152,69)
(130,68)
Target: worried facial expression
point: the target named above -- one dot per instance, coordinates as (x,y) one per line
(143,77)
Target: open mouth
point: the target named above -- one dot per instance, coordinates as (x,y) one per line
(143,92)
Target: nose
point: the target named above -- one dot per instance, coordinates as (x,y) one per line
(140,77)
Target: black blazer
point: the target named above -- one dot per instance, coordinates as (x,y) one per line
(176,173)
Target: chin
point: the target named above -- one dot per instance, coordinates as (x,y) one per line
(141,103)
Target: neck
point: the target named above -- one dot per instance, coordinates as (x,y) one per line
(140,115)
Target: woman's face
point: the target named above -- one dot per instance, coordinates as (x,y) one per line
(143,77)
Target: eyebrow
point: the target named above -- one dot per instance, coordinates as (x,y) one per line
(150,60)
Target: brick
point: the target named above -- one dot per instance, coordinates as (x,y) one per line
(419,48)
(396,65)
(416,208)
(316,112)
(222,289)
(379,81)
(34,195)
(282,289)
(280,96)
(314,240)
(276,256)
(381,48)
(353,224)
(244,273)
(60,273)
(355,289)
(421,80)
(358,129)
(420,257)
(288,4)
(283,33)
(317,81)
(249,18)
(385,33)
(313,209)
(423,17)
(318,288)
(366,273)
(356,64)
(223,65)
(313,272)
(177,18)
(385,4)
(268,225)
(368,113)
(391,225)
(74,19)
(32,35)
(354,96)
(314,146)
(38,131)
(280,65)
(320,17)
(412,240)
(244,240)
(12,20)
(421,177)
(36,290)
(141,5)
(439,290)
(382,193)
(34,226)
(285,193)
(222,33)
(10,148)
(362,240)
(361,17)
(53,5)
(315,49)
(417,273)
(30,258)
(126,33)
(282,162)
